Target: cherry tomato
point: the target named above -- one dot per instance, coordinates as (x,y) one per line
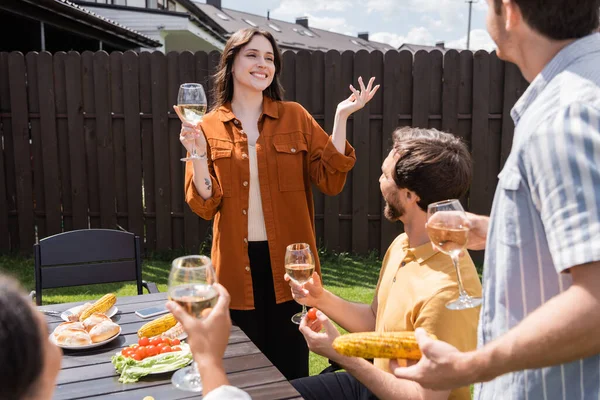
(152,351)
(163,344)
(175,348)
(312,313)
(155,341)
(144,341)
(141,352)
(175,342)
(136,357)
(166,349)
(167,341)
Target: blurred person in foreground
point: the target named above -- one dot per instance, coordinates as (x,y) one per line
(29,362)
(538,332)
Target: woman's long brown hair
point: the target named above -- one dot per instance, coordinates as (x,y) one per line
(223,79)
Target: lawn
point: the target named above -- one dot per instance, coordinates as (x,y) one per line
(353,278)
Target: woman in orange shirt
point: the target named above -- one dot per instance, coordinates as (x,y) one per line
(259,157)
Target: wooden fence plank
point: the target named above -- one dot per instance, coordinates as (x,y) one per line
(50,164)
(331,211)
(106,158)
(346,198)
(288,75)
(133,142)
(191,226)
(148,151)
(76,139)
(6,161)
(302,80)
(33,103)
(91,138)
(450,92)
(22,150)
(161,151)
(465,95)
(214,58)
(62,129)
(203,73)
(421,89)
(316,104)
(436,88)
(175,147)
(376,137)
(360,172)
(482,141)
(118,131)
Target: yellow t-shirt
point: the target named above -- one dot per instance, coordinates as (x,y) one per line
(414,286)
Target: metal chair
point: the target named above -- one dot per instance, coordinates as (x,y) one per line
(86,257)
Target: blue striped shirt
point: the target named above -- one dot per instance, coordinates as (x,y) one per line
(546,216)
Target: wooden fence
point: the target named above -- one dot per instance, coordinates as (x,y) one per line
(90,140)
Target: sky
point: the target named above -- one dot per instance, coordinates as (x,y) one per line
(389,21)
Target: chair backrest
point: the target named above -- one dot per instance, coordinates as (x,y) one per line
(86,257)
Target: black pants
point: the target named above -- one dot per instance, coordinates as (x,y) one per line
(334,386)
(269,325)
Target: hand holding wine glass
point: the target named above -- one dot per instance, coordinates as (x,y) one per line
(448,230)
(191,286)
(299,266)
(191,107)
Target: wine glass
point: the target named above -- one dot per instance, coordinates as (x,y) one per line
(299,265)
(191,286)
(448,231)
(191,104)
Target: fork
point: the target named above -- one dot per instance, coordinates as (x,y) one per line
(57,313)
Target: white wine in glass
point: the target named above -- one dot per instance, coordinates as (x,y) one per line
(299,265)
(191,283)
(448,231)
(191,104)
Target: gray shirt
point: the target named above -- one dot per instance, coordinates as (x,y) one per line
(546,216)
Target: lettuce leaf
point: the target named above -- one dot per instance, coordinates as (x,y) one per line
(132,370)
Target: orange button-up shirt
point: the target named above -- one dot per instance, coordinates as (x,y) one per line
(293,151)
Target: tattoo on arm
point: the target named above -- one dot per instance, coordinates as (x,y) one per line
(207,183)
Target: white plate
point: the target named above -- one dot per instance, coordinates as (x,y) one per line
(87,346)
(111,311)
(184,347)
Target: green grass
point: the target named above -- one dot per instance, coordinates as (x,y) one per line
(353,278)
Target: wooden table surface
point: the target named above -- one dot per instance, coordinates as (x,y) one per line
(89,374)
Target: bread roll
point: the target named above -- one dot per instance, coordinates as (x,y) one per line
(94,320)
(68,325)
(73,337)
(104,330)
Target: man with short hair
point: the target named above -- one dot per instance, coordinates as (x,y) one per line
(415,283)
(539,324)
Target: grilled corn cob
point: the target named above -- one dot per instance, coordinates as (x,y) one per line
(379,345)
(100,306)
(158,326)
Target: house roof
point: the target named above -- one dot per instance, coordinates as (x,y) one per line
(413,48)
(289,35)
(68,15)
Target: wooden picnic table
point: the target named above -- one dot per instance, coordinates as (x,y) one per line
(89,374)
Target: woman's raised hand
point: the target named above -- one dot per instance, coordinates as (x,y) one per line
(358,98)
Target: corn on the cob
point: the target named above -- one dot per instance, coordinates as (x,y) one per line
(157,326)
(379,345)
(100,306)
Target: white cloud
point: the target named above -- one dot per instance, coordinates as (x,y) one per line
(480,40)
(420,35)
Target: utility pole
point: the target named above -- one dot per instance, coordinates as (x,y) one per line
(469,23)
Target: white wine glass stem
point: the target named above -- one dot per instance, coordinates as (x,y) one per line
(461,288)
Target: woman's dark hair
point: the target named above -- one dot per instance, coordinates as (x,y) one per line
(435,165)
(21,341)
(559,19)
(223,79)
